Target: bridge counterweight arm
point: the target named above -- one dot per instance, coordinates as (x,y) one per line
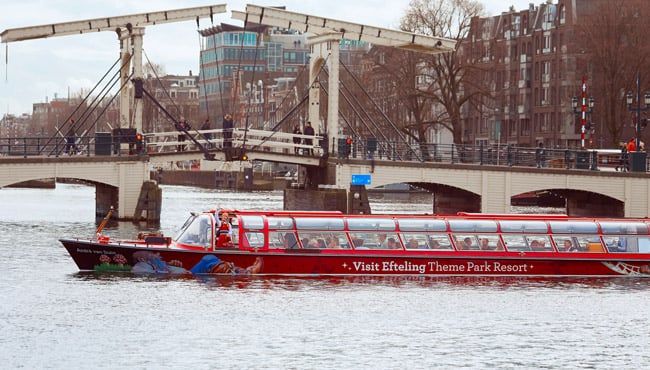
(348,30)
(109,23)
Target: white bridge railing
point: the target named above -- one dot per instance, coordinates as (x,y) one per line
(278,142)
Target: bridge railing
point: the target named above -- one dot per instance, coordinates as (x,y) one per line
(283,143)
(277,142)
(30,146)
(498,155)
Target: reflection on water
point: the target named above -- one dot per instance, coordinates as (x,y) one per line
(354,282)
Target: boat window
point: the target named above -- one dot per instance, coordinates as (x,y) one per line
(485,226)
(415,241)
(515,242)
(439,241)
(624,228)
(283,239)
(565,243)
(315,223)
(574,227)
(589,243)
(466,242)
(407,224)
(374,241)
(254,239)
(490,243)
(185,224)
(512,226)
(612,243)
(539,243)
(628,244)
(252,222)
(198,232)
(324,240)
(280,223)
(371,224)
(426,241)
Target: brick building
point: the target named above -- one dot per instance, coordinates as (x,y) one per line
(531,67)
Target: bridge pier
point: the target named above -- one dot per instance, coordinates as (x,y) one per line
(106,197)
(316,200)
(593,205)
(452,201)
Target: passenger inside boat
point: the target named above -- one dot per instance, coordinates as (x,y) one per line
(568,246)
(485,245)
(392,243)
(223,230)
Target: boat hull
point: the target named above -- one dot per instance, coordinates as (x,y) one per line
(95,255)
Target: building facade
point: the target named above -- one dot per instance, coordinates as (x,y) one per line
(531,68)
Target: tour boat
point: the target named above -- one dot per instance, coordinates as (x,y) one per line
(307,243)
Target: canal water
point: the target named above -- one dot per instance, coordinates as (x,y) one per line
(52,316)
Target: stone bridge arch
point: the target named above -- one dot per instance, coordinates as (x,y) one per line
(118,180)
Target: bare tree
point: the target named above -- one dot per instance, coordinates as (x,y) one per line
(447,79)
(612,35)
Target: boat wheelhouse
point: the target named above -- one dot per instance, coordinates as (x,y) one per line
(331,243)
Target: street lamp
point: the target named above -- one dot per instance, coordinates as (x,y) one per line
(638,158)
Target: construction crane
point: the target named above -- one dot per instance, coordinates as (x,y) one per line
(130,31)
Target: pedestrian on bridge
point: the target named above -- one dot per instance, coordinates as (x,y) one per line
(182,126)
(296,139)
(208,136)
(309,142)
(71,139)
(540,156)
(228,125)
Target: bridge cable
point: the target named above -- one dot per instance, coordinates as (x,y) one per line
(206,152)
(399,133)
(374,129)
(164,89)
(72,126)
(85,116)
(355,79)
(68,118)
(289,114)
(295,108)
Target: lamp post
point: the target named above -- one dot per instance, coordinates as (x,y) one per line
(583,111)
(638,158)
(637,107)
(497,132)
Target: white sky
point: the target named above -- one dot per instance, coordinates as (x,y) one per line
(34,71)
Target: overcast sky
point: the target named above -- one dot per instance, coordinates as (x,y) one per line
(37,70)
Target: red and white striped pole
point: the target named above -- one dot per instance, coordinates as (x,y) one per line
(584,111)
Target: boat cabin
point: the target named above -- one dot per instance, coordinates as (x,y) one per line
(447,234)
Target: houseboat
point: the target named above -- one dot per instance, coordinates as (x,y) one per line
(334,244)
